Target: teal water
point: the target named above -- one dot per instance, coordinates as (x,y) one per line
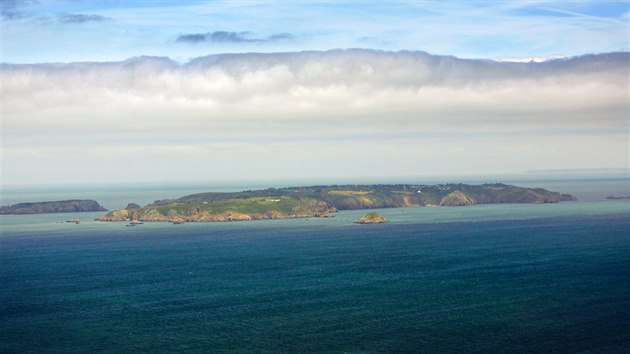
(490,278)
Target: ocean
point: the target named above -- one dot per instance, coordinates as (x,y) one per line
(486,278)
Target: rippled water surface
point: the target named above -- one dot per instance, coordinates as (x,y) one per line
(485,278)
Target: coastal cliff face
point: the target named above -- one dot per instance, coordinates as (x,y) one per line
(61,206)
(457,198)
(321,201)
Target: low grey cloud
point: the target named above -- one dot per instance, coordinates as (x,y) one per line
(350,86)
(281,37)
(277,113)
(81,18)
(232,37)
(13,9)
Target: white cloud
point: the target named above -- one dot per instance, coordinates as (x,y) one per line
(239,106)
(528,59)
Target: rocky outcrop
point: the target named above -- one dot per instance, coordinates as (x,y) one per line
(372,218)
(61,206)
(116,215)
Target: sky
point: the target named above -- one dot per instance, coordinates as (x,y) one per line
(132,91)
(36,31)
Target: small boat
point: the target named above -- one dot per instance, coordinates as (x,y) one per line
(73,221)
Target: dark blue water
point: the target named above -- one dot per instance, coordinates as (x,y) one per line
(553,284)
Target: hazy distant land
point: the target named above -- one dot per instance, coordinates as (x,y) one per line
(323,201)
(60,206)
(618,197)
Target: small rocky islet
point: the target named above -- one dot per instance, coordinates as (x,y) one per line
(372,218)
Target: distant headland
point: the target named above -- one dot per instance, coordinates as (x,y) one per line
(618,197)
(60,206)
(322,201)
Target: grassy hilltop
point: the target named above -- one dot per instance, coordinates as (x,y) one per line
(320,201)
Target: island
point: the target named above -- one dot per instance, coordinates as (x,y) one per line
(322,201)
(60,206)
(372,218)
(618,197)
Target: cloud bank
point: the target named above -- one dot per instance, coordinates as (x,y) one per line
(399,112)
(12,9)
(81,18)
(232,37)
